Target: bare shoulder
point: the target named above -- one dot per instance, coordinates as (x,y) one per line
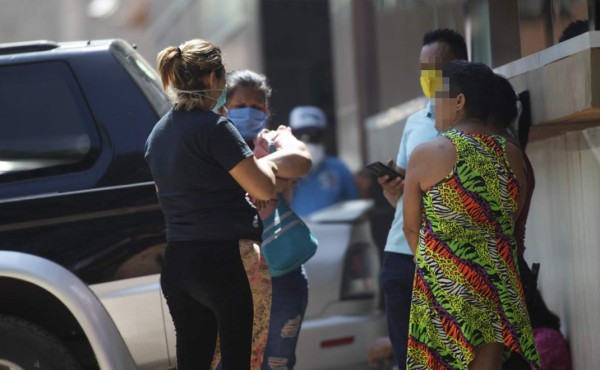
(432,161)
(437,147)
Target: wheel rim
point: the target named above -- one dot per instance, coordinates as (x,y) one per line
(7,365)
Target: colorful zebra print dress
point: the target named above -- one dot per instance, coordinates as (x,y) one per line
(466,289)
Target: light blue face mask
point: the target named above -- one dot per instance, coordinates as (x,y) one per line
(248,121)
(221,101)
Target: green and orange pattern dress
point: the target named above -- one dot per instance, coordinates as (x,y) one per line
(466,289)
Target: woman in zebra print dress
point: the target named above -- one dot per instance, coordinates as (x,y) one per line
(463,193)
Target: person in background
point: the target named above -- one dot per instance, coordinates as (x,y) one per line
(439,47)
(381,354)
(552,346)
(463,194)
(502,116)
(575,28)
(329,181)
(247,107)
(214,278)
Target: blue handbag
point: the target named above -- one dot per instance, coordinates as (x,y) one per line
(287,241)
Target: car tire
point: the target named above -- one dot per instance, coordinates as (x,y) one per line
(26,346)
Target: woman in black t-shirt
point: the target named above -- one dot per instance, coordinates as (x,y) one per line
(213,278)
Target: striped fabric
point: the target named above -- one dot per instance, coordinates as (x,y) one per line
(466,289)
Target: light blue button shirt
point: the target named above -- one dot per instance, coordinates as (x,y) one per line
(418,129)
(329,183)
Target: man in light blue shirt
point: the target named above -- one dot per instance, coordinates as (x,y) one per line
(329,181)
(418,129)
(397,274)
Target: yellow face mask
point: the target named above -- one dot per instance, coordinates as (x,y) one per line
(431,82)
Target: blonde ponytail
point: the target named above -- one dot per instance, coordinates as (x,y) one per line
(182,71)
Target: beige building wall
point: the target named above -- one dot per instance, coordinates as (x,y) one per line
(347,109)
(563,234)
(399,35)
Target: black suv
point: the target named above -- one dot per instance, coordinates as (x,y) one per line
(77,202)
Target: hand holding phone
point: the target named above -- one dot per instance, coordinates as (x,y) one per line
(380,169)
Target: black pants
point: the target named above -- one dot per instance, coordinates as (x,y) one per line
(208,292)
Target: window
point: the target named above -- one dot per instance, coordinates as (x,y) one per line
(44,121)
(145,76)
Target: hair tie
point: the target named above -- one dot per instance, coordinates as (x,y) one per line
(179,53)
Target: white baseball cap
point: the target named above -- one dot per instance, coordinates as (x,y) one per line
(307,117)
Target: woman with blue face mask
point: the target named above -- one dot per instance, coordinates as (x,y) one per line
(247,107)
(248,102)
(214,278)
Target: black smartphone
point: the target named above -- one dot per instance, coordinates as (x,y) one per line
(380,169)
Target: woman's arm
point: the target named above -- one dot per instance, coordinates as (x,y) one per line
(413,198)
(292,158)
(256,177)
(292,162)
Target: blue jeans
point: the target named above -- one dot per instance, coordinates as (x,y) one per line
(397,275)
(288,304)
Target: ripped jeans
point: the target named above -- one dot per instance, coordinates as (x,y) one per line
(289,300)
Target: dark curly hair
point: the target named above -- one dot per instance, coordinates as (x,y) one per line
(574,28)
(476,82)
(504,107)
(451,38)
(249,79)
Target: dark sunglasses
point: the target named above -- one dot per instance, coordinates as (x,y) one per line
(309,135)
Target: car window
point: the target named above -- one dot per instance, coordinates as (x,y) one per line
(144,76)
(44,121)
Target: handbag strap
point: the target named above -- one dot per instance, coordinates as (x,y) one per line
(272,150)
(280,198)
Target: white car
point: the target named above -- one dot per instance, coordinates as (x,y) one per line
(342,318)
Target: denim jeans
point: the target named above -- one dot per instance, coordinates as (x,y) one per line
(397,275)
(224,287)
(288,304)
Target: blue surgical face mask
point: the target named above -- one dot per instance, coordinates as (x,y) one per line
(248,121)
(221,101)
